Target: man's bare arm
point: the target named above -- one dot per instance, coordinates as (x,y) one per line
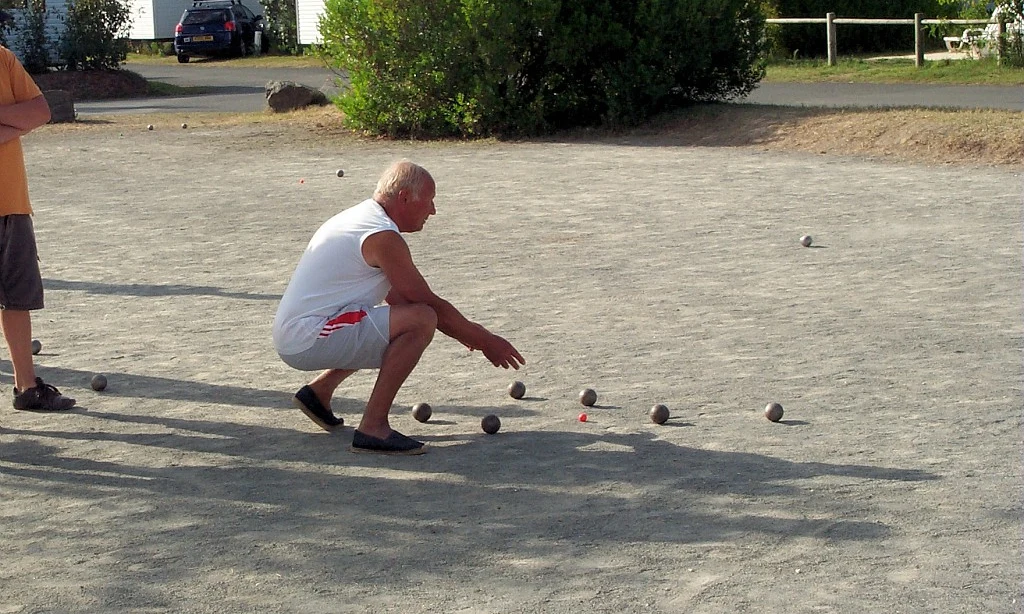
(25,116)
(389,252)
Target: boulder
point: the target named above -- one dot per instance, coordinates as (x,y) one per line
(62,106)
(285,96)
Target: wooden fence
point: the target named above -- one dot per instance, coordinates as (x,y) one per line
(918,22)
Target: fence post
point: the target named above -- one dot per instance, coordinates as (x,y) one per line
(918,40)
(831,36)
(1000,39)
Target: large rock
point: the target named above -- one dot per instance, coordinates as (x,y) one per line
(288,96)
(62,106)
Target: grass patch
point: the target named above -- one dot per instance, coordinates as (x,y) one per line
(159,88)
(900,70)
(262,61)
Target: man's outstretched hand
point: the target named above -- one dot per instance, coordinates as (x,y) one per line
(501,353)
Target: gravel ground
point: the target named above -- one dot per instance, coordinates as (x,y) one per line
(653,272)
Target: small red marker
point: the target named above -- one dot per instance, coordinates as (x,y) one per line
(583,417)
(302,181)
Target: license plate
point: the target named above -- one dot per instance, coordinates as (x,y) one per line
(202,39)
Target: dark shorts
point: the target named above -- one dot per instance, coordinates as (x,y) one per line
(21,285)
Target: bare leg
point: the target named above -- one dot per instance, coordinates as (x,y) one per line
(412,329)
(327,382)
(17,327)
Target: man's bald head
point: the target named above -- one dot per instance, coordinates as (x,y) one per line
(402,175)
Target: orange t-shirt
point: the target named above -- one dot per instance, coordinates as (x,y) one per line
(15,86)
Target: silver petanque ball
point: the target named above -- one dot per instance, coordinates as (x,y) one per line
(773,411)
(516,389)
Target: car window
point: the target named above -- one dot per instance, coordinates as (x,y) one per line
(246,13)
(203,17)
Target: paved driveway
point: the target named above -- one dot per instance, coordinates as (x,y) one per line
(232,89)
(229,89)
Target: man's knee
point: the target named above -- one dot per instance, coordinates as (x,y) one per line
(427,318)
(418,318)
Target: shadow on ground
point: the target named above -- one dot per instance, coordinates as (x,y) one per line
(152,290)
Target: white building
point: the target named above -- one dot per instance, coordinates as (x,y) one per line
(156,19)
(307,16)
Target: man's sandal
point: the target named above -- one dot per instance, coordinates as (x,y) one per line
(395,443)
(306,400)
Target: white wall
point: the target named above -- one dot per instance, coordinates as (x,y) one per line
(307,14)
(142,20)
(166,14)
(156,19)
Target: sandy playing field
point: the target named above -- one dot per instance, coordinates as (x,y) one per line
(653,273)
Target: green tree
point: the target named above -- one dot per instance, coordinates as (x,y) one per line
(33,46)
(281,25)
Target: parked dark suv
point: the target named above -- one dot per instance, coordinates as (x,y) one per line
(212,27)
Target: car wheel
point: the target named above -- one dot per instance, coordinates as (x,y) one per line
(237,46)
(182,58)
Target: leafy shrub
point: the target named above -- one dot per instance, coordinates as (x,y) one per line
(143,47)
(504,67)
(95,37)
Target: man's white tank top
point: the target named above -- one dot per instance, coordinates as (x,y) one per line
(331,275)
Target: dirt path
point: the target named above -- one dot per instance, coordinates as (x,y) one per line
(651,271)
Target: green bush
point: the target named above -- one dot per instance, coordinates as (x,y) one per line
(143,47)
(95,34)
(504,67)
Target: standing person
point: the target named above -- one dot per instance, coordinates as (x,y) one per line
(22,109)
(332,315)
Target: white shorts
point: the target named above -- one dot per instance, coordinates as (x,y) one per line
(353,338)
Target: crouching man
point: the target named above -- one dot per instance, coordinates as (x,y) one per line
(357,301)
